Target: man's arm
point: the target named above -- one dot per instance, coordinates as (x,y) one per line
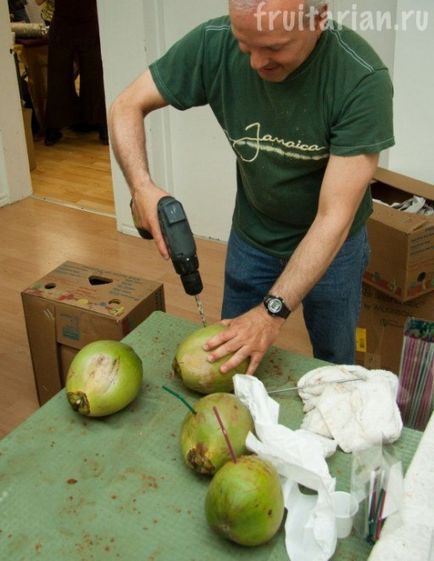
(128,139)
(342,190)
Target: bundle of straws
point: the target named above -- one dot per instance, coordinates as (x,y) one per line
(376,499)
(416,373)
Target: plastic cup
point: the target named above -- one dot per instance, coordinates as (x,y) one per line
(345,506)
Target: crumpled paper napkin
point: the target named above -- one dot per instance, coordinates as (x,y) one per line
(299,458)
(414,205)
(356,414)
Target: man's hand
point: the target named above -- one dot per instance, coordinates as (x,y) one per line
(249,335)
(145,203)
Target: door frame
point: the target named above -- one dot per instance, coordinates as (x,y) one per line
(15,179)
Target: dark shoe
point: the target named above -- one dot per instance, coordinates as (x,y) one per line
(52,136)
(103,134)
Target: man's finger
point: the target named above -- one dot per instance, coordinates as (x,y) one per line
(234,361)
(255,361)
(219,353)
(216,341)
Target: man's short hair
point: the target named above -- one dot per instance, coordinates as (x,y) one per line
(248,4)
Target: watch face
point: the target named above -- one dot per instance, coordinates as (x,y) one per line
(274,305)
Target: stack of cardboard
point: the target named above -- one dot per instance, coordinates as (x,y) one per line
(399,281)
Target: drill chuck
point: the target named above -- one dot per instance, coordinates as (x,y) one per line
(192,283)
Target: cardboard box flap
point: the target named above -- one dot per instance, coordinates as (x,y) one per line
(405,183)
(102,292)
(403,221)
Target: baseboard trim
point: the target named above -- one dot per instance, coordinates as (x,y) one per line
(4,200)
(71,205)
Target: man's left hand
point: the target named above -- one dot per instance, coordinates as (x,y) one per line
(248,335)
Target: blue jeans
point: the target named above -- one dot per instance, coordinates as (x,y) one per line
(331,309)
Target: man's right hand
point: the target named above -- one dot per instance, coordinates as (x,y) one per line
(144,207)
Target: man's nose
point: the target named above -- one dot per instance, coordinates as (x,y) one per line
(258,60)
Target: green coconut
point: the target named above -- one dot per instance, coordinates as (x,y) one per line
(244,502)
(197,373)
(103,378)
(203,444)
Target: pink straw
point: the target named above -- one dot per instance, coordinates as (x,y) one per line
(225,434)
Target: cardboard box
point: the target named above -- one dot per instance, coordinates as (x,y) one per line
(75,305)
(402,259)
(380,334)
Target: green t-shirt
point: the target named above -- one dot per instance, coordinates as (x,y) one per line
(339,101)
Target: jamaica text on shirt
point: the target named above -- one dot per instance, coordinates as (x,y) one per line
(269,143)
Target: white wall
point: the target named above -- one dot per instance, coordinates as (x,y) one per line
(15,182)
(123,46)
(413,154)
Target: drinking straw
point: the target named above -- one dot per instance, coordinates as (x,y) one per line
(373,503)
(422,381)
(225,434)
(379,514)
(405,376)
(417,375)
(428,398)
(370,503)
(181,398)
(316,385)
(416,379)
(425,380)
(376,500)
(427,395)
(412,378)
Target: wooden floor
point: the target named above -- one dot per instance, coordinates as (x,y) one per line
(75,171)
(36,236)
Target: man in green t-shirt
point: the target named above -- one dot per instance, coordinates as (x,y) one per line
(307,108)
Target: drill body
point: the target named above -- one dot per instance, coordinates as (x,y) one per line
(180,243)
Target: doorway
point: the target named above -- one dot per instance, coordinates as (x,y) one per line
(76,170)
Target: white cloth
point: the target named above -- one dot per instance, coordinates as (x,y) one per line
(355,414)
(299,458)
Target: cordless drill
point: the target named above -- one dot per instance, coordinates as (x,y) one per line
(179,241)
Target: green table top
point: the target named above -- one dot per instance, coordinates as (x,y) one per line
(79,489)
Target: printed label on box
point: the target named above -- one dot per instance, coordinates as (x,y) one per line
(361,340)
(70,327)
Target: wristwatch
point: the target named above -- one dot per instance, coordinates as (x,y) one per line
(276,307)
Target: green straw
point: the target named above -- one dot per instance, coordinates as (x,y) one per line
(181,398)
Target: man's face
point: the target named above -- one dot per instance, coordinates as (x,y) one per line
(276,36)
